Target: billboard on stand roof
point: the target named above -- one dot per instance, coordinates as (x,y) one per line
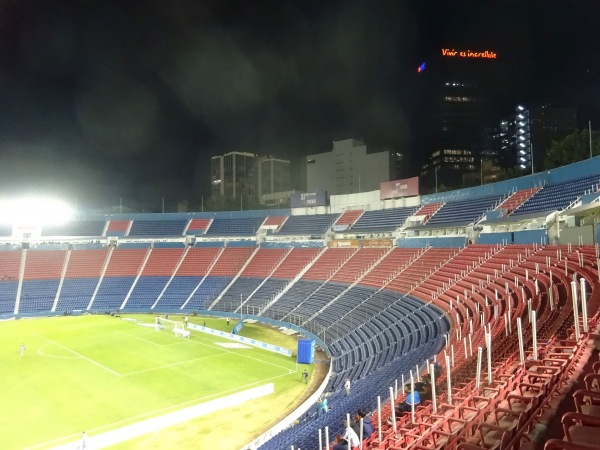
(407,187)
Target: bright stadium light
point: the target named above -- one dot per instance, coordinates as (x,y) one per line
(35,211)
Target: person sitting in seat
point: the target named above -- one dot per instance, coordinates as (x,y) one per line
(348,440)
(412,398)
(368,429)
(424,389)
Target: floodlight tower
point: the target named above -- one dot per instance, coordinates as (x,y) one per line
(523,138)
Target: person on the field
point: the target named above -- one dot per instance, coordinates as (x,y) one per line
(22,349)
(83,444)
(305,376)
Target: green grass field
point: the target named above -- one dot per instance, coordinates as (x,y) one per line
(98,373)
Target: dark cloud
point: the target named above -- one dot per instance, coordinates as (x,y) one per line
(102,100)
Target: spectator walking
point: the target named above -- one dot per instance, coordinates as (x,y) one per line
(322,406)
(347,386)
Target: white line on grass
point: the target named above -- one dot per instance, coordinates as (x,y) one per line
(222,349)
(181,410)
(41,353)
(214,346)
(169,365)
(81,356)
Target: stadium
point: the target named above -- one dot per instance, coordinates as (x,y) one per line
(496,283)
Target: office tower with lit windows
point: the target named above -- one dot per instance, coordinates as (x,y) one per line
(459,106)
(526,135)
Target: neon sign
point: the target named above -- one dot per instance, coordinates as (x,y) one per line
(468,54)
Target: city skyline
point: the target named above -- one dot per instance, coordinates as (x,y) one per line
(106,101)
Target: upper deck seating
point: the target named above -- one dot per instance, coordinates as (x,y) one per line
(349,217)
(463,212)
(274,222)
(382,220)
(517,199)
(157,227)
(428,210)
(313,225)
(77,228)
(234,227)
(558,196)
(198,226)
(118,227)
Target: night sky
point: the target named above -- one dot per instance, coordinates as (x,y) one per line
(109,99)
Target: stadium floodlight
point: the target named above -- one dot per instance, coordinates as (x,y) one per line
(520,108)
(35,211)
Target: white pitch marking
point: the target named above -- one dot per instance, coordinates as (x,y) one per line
(81,356)
(41,353)
(169,365)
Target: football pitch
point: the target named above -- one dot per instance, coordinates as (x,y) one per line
(103,373)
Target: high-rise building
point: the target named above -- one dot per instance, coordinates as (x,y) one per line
(349,168)
(273,183)
(526,135)
(262,178)
(458,106)
(232,175)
